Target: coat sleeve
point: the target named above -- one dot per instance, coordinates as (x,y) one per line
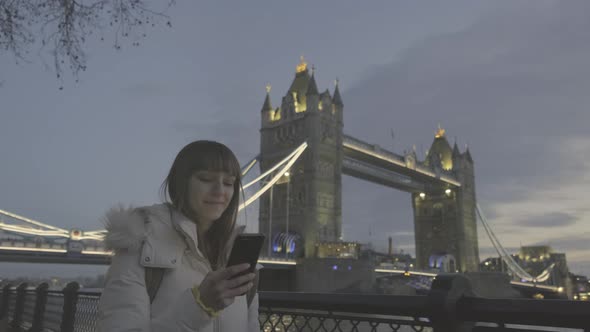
(125,306)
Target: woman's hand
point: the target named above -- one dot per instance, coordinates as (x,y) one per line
(219,288)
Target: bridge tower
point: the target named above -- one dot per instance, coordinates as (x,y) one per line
(444,218)
(313,188)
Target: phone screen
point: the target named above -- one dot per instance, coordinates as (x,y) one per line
(246,249)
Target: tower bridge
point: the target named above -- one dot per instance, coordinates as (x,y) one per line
(441,186)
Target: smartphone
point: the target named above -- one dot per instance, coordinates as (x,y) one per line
(246,249)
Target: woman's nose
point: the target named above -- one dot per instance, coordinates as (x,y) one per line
(217,187)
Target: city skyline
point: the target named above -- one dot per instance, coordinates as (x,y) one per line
(507,79)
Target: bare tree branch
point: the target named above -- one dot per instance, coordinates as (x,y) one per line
(63,26)
(15,18)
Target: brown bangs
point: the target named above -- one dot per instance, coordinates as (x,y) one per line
(215,157)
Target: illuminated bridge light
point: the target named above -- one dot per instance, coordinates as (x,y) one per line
(418,273)
(97,252)
(277,262)
(33,249)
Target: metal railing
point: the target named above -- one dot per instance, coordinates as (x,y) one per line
(449,306)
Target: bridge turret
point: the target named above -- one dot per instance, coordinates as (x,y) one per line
(445,221)
(466,201)
(337,100)
(440,153)
(298,89)
(468,155)
(267,112)
(313,188)
(312,95)
(337,103)
(456,153)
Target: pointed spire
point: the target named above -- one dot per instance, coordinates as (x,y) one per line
(456,152)
(267,105)
(468,154)
(337,99)
(312,88)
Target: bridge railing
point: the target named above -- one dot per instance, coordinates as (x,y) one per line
(450,306)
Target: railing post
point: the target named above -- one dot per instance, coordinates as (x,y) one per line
(69,311)
(6,290)
(40,302)
(446,290)
(5,300)
(19,307)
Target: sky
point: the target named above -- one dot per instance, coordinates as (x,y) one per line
(510,79)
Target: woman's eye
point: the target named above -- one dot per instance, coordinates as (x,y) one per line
(206,179)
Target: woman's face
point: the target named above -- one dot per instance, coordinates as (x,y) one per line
(210,193)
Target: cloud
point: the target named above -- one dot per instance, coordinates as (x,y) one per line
(514,87)
(555,219)
(570,243)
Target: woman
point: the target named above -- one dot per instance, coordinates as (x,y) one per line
(185,243)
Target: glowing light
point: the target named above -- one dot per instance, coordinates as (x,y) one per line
(440,132)
(32,231)
(448,192)
(97,252)
(33,249)
(16,216)
(531,285)
(302,66)
(276,115)
(422,195)
(286,159)
(426,274)
(254,197)
(287,174)
(75,234)
(278,262)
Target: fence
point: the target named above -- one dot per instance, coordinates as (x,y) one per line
(449,306)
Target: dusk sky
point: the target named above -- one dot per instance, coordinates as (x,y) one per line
(510,79)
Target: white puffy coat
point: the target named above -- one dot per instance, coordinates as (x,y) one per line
(166,241)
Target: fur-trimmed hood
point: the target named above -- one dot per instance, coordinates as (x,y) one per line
(125,228)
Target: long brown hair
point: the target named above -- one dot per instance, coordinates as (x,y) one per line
(208,156)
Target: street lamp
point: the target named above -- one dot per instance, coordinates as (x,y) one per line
(287,217)
(270,223)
